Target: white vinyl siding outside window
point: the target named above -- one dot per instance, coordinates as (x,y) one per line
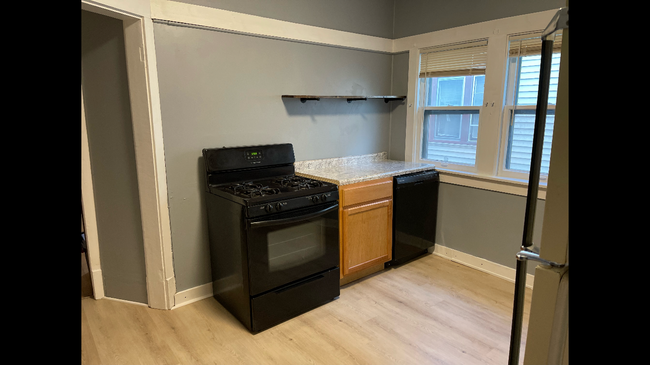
(520,103)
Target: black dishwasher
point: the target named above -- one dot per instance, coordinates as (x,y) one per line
(415,208)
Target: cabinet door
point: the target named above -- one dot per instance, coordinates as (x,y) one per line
(367,235)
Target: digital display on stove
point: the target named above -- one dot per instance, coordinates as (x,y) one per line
(254,155)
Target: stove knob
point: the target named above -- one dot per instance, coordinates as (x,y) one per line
(323,198)
(314,198)
(268,208)
(278,206)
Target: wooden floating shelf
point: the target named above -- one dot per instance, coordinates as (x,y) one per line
(349,98)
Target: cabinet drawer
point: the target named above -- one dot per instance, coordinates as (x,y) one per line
(366,191)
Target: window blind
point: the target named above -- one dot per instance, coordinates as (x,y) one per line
(531,44)
(459,59)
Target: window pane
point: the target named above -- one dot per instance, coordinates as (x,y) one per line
(450,136)
(454,91)
(529,79)
(450,91)
(520,144)
(447,126)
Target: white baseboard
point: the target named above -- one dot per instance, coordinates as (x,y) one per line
(205,291)
(97,283)
(480,264)
(126,301)
(192,295)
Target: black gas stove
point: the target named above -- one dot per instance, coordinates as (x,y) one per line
(274,236)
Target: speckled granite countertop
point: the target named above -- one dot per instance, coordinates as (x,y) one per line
(354,169)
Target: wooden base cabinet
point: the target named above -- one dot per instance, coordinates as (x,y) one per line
(366,229)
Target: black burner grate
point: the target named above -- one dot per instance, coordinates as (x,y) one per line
(251,190)
(298,182)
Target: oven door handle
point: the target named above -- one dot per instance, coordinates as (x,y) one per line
(304,217)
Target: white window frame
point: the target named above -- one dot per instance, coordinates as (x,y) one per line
(489,148)
(506,121)
(421,108)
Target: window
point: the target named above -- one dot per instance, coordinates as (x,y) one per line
(474,100)
(524,58)
(452,79)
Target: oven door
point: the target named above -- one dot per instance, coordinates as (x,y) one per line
(287,247)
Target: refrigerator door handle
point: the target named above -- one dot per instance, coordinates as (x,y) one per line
(532,255)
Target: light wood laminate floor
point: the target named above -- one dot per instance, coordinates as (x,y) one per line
(429,311)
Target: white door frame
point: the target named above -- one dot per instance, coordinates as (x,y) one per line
(149,155)
(88,208)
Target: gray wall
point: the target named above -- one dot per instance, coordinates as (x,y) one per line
(223,89)
(383,18)
(422,16)
(370,17)
(485,224)
(110,141)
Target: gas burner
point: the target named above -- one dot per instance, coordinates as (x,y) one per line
(255,192)
(298,182)
(236,188)
(251,190)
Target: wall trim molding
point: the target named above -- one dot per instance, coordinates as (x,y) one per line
(491,183)
(182,14)
(192,295)
(480,264)
(203,17)
(461,33)
(127,301)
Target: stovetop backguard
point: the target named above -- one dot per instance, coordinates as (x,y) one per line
(237,158)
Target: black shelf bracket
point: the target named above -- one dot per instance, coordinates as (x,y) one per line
(386,100)
(304,100)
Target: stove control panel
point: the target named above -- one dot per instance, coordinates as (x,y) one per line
(254,156)
(271,207)
(227,159)
(281,206)
(318,198)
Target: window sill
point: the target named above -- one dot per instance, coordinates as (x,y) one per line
(494,183)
